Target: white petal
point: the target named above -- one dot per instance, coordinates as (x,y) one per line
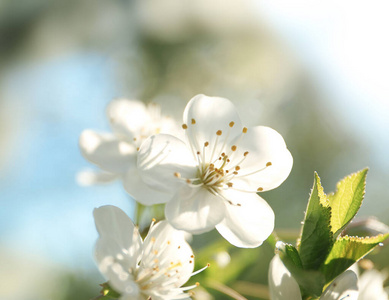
(195,210)
(264,145)
(371,282)
(249,224)
(107,152)
(172,247)
(282,285)
(343,287)
(118,237)
(127,116)
(210,115)
(141,192)
(160,157)
(91,177)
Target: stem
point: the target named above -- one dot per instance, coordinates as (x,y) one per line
(225,289)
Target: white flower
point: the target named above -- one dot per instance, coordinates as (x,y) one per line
(284,287)
(115,153)
(156,267)
(214,177)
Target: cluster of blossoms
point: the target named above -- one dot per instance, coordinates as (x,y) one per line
(208,179)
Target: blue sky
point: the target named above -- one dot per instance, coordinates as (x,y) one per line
(43,210)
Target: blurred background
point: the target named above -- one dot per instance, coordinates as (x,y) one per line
(315,71)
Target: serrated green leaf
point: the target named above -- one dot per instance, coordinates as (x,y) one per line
(347,200)
(311,282)
(316,236)
(109,292)
(348,250)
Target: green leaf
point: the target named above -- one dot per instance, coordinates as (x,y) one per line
(311,282)
(347,200)
(348,250)
(109,292)
(316,236)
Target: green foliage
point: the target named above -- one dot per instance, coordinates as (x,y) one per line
(347,200)
(316,235)
(107,292)
(311,282)
(323,254)
(346,251)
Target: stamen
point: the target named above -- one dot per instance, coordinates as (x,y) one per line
(268,164)
(189,287)
(245,154)
(200,270)
(219,132)
(231,124)
(193,121)
(206,144)
(233,148)
(237,168)
(244,130)
(184,126)
(260,189)
(178,175)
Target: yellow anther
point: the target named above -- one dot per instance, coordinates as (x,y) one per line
(260,189)
(153,239)
(134,139)
(235,173)
(219,132)
(231,124)
(197,283)
(237,168)
(206,144)
(188,181)
(178,175)
(268,164)
(233,148)
(153,219)
(184,126)
(168,242)
(155,252)
(245,154)
(193,121)
(198,152)
(244,130)
(190,261)
(229,184)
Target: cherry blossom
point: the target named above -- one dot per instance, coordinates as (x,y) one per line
(116,153)
(156,267)
(214,176)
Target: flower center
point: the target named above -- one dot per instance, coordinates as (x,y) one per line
(219,160)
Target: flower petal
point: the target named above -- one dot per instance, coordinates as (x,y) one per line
(127,117)
(171,247)
(205,116)
(141,192)
(282,285)
(107,152)
(345,286)
(195,210)
(268,162)
(371,282)
(118,237)
(248,221)
(160,158)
